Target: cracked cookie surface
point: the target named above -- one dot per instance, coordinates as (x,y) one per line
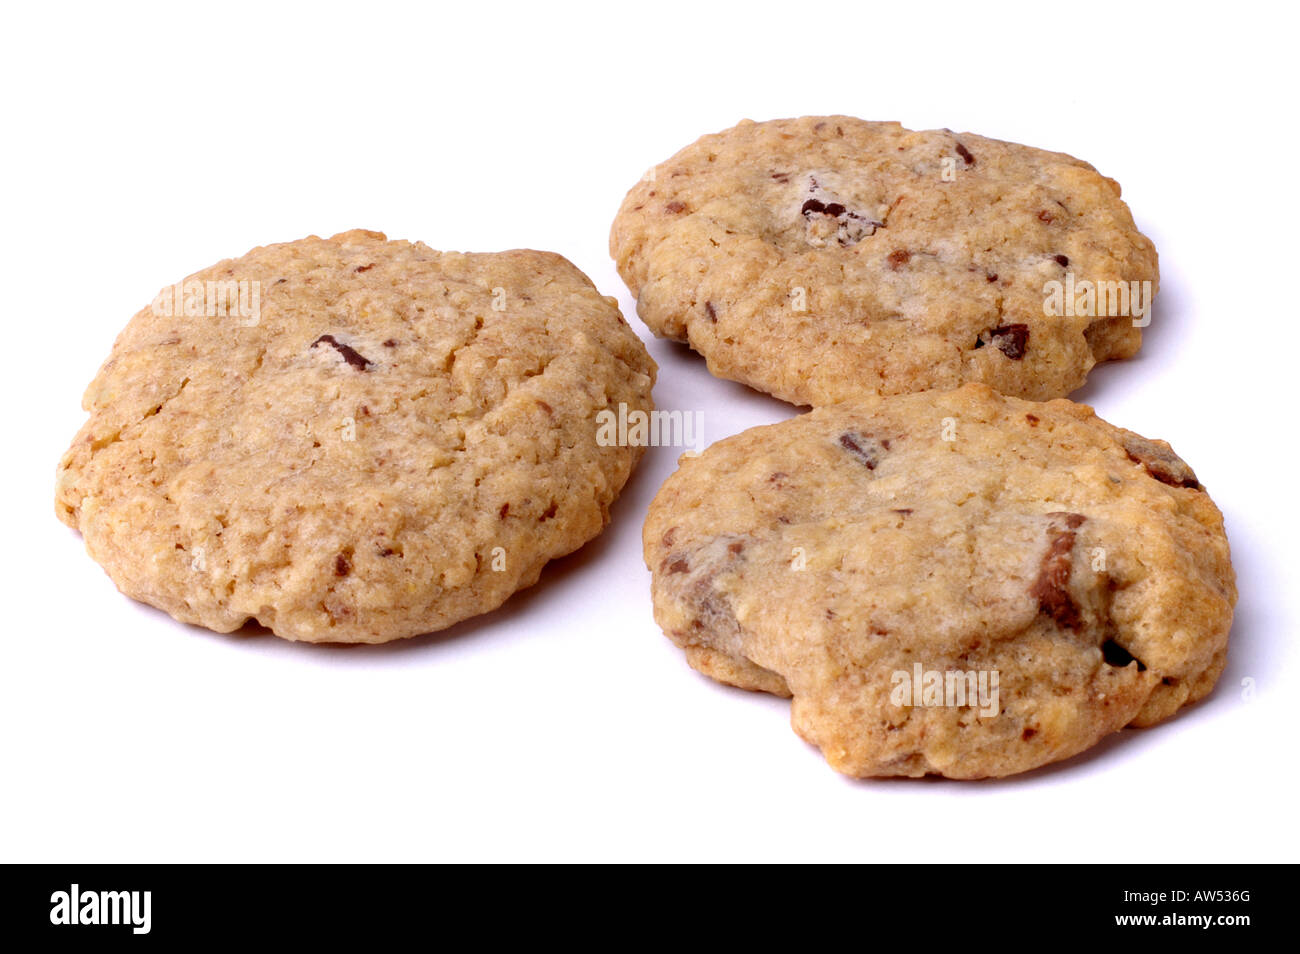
(821,259)
(393,440)
(960,532)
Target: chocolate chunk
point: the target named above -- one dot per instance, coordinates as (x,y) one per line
(862,447)
(990,277)
(898,258)
(965,154)
(708,310)
(390,343)
(851,226)
(1052,586)
(1116,655)
(387,552)
(1028,734)
(349,355)
(505,510)
(550,512)
(1011,340)
(364,268)
(1062,260)
(342,565)
(1160,461)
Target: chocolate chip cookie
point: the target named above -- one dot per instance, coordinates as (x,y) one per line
(954,583)
(825,258)
(352,439)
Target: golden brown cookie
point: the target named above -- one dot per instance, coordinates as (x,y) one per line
(352,439)
(826,258)
(955,583)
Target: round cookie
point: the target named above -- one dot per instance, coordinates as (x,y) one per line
(826,258)
(954,583)
(352,439)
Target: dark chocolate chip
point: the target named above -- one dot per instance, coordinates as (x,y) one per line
(1160,462)
(364,268)
(342,565)
(1011,340)
(505,510)
(1052,586)
(708,310)
(861,447)
(349,355)
(965,154)
(1062,260)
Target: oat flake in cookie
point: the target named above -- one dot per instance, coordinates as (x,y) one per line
(1073,577)
(825,258)
(354,440)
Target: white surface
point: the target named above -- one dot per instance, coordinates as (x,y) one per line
(143,144)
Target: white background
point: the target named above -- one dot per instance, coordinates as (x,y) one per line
(143,143)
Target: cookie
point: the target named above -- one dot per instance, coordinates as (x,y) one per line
(954,583)
(823,259)
(352,439)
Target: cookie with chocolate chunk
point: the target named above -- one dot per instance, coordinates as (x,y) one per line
(825,258)
(352,439)
(954,583)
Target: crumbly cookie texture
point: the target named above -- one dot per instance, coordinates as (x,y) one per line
(950,532)
(822,259)
(397,439)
